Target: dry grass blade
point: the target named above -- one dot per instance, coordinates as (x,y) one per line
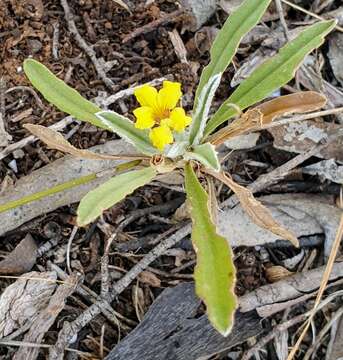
(322,287)
(55,140)
(258,213)
(261,115)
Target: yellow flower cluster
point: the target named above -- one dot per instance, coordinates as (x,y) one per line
(158,112)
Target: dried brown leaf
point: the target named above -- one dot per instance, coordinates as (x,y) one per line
(300,102)
(55,140)
(258,213)
(21,259)
(251,119)
(277,273)
(255,118)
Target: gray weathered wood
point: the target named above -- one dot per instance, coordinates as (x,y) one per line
(172,330)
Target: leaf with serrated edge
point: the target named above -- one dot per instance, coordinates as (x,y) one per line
(222,51)
(57,92)
(126,129)
(205,154)
(273,73)
(257,212)
(55,140)
(214,273)
(111,192)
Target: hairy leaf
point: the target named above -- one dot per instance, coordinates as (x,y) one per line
(215,272)
(126,129)
(205,154)
(60,94)
(257,212)
(223,49)
(109,193)
(273,73)
(55,140)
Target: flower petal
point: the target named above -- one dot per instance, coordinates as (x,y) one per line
(145,117)
(146,95)
(160,136)
(169,95)
(179,120)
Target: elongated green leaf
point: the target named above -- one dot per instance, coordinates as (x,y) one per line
(126,129)
(60,94)
(215,272)
(109,193)
(273,73)
(205,154)
(223,49)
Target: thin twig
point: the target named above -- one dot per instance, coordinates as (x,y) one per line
(55,38)
(165,19)
(297,7)
(322,287)
(71,238)
(272,334)
(282,18)
(85,47)
(301,118)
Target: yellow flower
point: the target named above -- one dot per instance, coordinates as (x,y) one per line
(159,113)
(178,120)
(160,136)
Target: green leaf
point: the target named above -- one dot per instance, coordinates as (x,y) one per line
(59,93)
(272,74)
(206,155)
(109,193)
(223,49)
(215,271)
(126,129)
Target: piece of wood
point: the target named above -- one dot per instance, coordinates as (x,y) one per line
(172,330)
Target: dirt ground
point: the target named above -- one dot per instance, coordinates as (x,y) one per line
(134,47)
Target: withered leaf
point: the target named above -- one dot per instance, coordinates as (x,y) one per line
(300,102)
(55,140)
(21,259)
(258,213)
(257,117)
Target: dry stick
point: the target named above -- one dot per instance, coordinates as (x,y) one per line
(272,334)
(301,118)
(165,19)
(282,18)
(84,46)
(339,28)
(322,287)
(70,330)
(314,347)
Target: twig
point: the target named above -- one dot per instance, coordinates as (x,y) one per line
(297,7)
(165,19)
(70,330)
(313,348)
(55,38)
(272,334)
(322,287)
(71,238)
(31,91)
(85,47)
(4,136)
(282,18)
(301,118)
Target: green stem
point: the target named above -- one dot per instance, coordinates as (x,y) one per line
(61,187)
